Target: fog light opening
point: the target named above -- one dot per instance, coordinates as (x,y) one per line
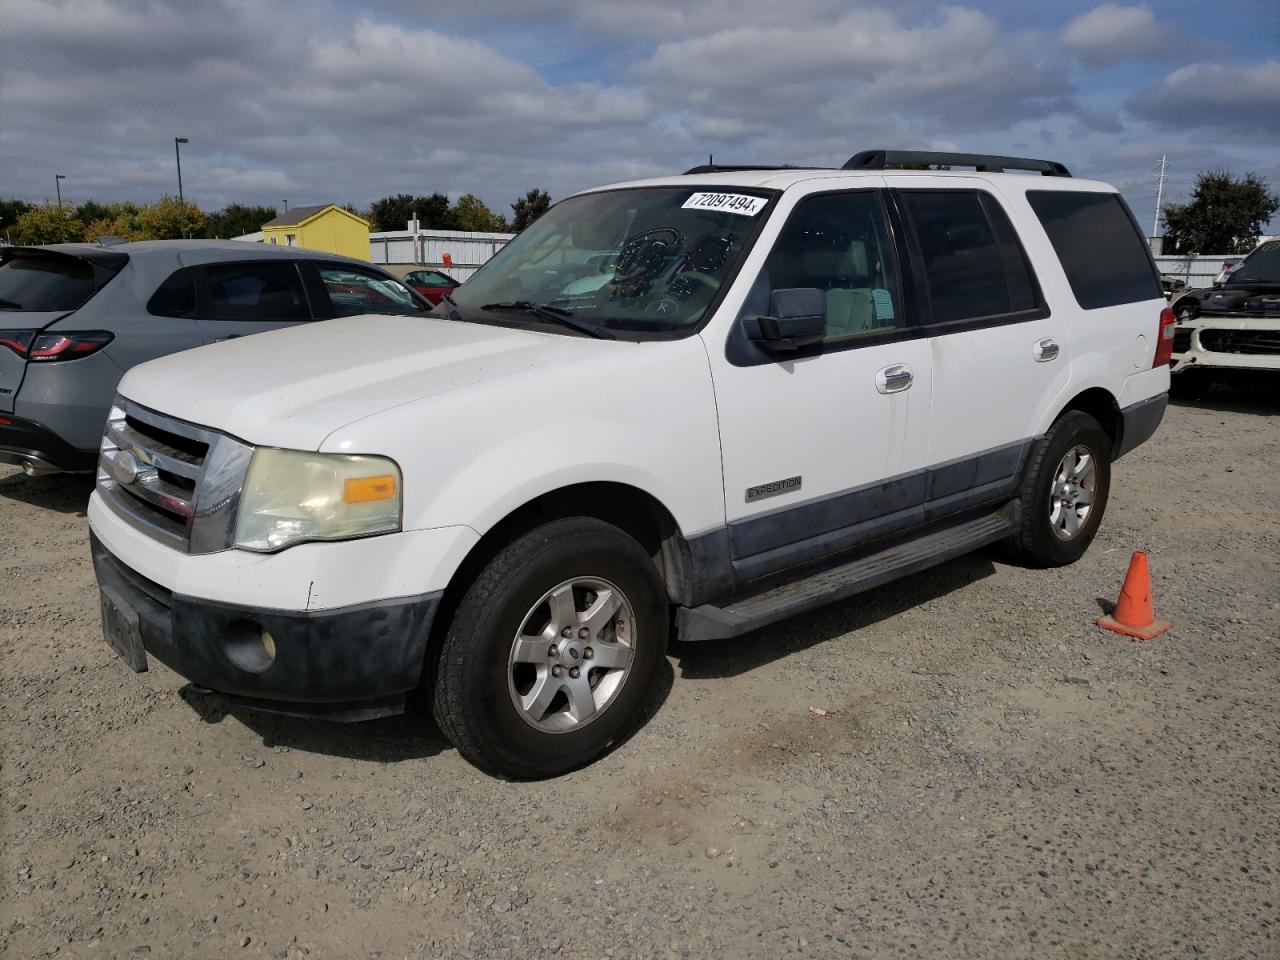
(249,645)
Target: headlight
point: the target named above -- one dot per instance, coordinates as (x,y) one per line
(291,495)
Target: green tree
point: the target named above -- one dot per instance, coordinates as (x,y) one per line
(395,212)
(529,208)
(237,219)
(10,211)
(470,213)
(1224,214)
(170,219)
(91,210)
(116,220)
(47,223)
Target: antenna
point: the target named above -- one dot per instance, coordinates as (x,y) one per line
(1164,167)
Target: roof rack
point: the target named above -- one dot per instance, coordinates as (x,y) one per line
(734,168)
(983,163)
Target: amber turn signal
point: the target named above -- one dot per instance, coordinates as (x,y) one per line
(369,489)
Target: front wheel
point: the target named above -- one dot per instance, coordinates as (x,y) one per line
(552,650)
(1064,493)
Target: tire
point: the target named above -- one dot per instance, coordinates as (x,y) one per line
(505,641)
(1191,385)
(1047,537)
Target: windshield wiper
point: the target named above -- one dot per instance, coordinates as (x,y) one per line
(456,314)
(559,315)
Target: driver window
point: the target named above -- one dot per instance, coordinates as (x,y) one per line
(838,243)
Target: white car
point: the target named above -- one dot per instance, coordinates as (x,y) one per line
(780,387)
(1231,329)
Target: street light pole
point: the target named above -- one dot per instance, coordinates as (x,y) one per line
(182,204)
(57,185)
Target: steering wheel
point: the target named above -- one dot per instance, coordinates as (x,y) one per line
(642,255)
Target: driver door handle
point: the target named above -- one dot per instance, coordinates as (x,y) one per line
(1045,350)
(894,378)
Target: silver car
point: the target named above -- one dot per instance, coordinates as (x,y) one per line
(74,317)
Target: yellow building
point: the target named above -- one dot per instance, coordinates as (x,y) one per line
(324,227)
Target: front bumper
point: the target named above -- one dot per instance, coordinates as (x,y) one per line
(1223,343)
(349,663)
(26,441)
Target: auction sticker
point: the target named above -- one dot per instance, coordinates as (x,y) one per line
(739,203)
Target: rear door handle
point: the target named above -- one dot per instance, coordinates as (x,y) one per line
(894,379)
(1045,350)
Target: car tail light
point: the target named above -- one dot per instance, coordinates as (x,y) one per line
(1164,338)
(19,341)
(49,347)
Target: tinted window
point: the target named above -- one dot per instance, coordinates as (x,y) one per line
(255,291)
(35,280)
(353,292)
(971,272)
(431,278)
(1101,248)
(176,297)
(1261,266)
(838,243)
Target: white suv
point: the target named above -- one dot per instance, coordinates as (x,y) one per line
(702,402)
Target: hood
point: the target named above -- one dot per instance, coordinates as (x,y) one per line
(293,387)
(1243,299)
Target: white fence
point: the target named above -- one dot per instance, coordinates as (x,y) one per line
(1197,271)
(467,251)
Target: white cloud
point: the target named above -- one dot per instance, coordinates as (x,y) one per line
(319,100)
(1113,33)
(1241,101)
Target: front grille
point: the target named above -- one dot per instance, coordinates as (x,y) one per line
(173,480)
(1181,339)
(1241,341)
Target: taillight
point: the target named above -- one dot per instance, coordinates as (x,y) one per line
(50,347)
(1164,338)
(19,341)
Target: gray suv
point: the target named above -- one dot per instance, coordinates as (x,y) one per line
(74,317)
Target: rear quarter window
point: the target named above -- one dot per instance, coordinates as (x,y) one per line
(33,281)
(1099,245)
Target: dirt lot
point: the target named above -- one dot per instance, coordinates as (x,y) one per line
(993,777)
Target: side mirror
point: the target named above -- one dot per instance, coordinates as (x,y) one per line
(797,318)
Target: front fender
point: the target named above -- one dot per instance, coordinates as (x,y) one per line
(642,416)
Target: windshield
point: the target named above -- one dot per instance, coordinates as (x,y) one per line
(1261,266)
(641,260)
(34,281)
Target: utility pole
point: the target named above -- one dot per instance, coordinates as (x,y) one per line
(286,205)
(57,185)
(1164,167)
(182,204)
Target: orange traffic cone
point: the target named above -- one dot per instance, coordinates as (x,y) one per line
(1134,615)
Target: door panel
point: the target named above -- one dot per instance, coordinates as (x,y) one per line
(817,459)
(998,356)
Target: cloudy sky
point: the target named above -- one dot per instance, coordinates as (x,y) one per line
(320,100)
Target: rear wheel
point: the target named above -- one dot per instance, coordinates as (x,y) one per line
(552,650)
(1064,493)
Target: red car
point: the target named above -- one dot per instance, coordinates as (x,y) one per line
(432,284)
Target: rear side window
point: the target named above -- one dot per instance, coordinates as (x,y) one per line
(1099,245)
(176,297)
(37,280)
(973,263)
(266,290)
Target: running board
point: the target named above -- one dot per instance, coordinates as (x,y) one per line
(709,622)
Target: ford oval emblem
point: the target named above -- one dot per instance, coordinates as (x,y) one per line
(124,467)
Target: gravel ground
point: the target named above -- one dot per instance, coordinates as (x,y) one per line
(958,765)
